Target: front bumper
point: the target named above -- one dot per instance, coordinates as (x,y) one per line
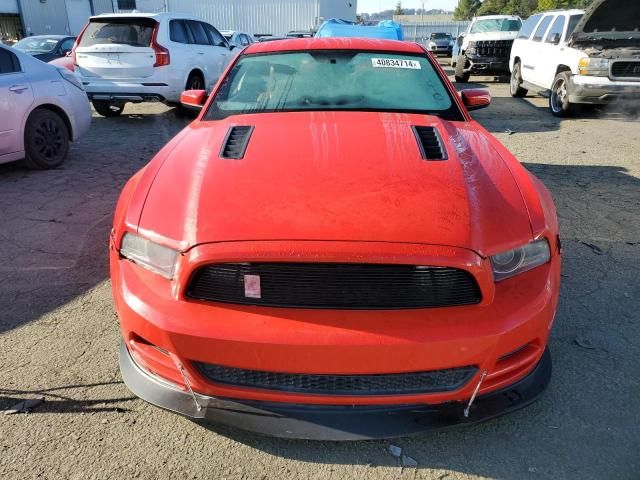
(487,65)
(333,422)
(602,90)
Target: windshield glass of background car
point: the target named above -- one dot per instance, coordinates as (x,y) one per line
(136,33)
(496,25)
(39,45)
(333,80)
(440,36)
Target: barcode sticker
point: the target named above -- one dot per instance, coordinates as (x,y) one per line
(252,286)
(395,63)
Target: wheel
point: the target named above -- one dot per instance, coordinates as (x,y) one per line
(195,82)
(107,108)
(460,75)
(46,140)
(516,81)
(559,98)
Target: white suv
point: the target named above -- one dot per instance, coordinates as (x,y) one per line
(147,57)
(578,57)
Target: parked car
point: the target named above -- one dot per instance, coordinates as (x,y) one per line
(63,62)
(46,47)
(385,29)
(335,249)
(576,58)
(42,109)
(486,46)
(139,57)
(237,39)
(440,43)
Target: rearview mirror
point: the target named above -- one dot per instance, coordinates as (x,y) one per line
(475,98)
(194,99)
(66,53)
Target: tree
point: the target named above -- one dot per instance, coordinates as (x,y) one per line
(522,8)
(493,7)
(398,10)
(466,9)
(547,5)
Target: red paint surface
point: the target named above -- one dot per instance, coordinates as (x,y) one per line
(337,187)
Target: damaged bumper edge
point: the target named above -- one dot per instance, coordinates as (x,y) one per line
(328,422)
(601,90)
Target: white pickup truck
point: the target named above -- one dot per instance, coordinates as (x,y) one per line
(578,57)
(486,46)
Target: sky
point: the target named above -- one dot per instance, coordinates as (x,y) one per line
(370,6)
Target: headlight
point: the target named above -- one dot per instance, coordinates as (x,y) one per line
(150,255)
(594,66)
(471,48)
(518,260)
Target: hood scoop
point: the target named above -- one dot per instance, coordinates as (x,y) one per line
(430,143)
(236,141)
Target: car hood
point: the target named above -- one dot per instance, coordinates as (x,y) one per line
(611,19)
(337,176)
(474,37)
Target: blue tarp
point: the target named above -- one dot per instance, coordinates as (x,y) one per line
(386,29)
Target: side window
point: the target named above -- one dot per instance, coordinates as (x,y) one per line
(544,24)
(177,32)
(197,32)
(528,26)
(216,37)
(555,32)
(67,45)
(9,63)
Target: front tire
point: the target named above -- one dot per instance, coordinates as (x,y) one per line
(108,109)
(46,140)
(461,76)
(515,87)
(559,98)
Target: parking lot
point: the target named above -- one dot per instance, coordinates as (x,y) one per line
(59,332)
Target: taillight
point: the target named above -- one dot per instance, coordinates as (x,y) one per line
(76,44)
(162,54)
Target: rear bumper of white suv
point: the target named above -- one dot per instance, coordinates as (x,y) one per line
(134,90)
(600,90)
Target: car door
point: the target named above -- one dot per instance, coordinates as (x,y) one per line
(16,97)
(184,57)
(534,64)
(222,49)
(551,51)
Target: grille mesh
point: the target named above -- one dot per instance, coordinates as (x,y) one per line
(625,70)
(334,285)
(493,48)
(380,384)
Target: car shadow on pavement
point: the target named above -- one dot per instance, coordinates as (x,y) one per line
(55,223)
(65,399)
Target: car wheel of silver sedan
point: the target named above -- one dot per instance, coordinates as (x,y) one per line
(46,140)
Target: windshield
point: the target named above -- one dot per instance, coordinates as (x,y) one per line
(36,45)
(440,36)
(333,80)
(496,25)
(135,32)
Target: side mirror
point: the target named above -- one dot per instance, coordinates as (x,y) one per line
(555,39)
(232,47)
(194,99)
(475,98)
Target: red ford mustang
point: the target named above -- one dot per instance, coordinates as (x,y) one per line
(334,249)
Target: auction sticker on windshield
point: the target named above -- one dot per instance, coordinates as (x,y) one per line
(395,63)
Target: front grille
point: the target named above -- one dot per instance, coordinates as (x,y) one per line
(379,384)
(334,285)
(492,48)
(626,69)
